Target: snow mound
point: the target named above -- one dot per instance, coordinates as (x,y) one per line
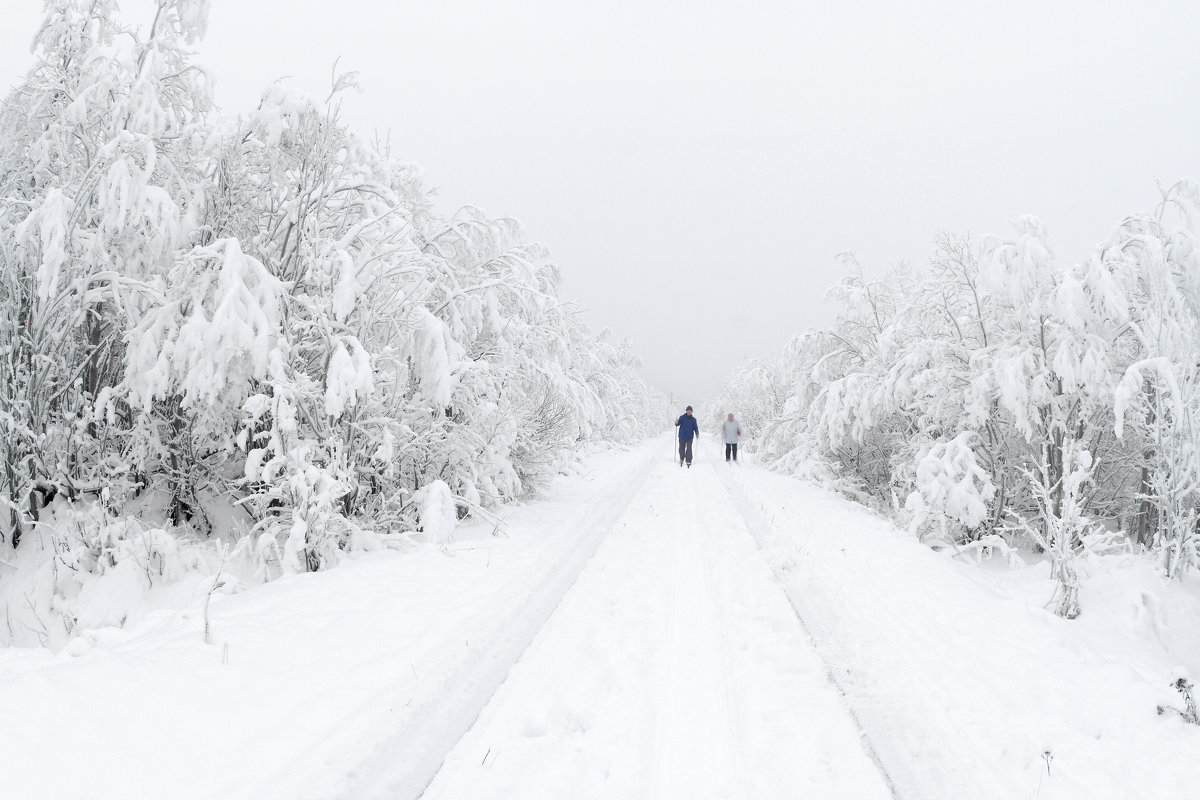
(437,510)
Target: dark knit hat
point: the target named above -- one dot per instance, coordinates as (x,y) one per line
(689,408)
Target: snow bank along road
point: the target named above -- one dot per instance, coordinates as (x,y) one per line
(634,635)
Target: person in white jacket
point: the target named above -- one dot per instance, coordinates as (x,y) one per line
(733,431)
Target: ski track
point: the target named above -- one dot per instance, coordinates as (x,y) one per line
(964,687)
(675,667)
(880,712)
(403,766)
(758,527)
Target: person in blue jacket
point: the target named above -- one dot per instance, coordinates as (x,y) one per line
(688,429)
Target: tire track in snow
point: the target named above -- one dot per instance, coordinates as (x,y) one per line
(882,713)
(755,524)
(668,671)
(733,721)
(689,676)
(406,766)
(697,669)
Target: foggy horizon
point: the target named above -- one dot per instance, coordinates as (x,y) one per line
(696,170)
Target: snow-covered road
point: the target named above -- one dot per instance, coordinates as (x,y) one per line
(675,667)
(635,634)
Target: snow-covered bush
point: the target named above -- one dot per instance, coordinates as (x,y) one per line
(951,487)
(83,568)
(261,320)
(1005,400)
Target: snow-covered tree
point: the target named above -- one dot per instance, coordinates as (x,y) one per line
(100,143)
(1147,280)
(1000,397)
(263,315)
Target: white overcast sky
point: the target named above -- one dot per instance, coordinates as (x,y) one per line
(696,167)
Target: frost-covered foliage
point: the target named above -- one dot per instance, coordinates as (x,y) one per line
(264,313)
(1000,397)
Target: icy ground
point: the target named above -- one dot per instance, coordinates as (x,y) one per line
(645,631)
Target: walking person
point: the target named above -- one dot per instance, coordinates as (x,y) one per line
(733,432)
(688,429)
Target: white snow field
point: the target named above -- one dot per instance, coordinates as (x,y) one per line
(644,631)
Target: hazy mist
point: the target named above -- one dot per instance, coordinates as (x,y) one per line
(695,168)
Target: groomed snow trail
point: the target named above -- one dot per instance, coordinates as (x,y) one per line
(353,682)
(634,634)
(673,668)
(406,761)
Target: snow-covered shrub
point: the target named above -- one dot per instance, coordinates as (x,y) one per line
(1188,713)
(263,313)
(82,568)
(100,159)
(1007,400)
(951,487)
(436,511)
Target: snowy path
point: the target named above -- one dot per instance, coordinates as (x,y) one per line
(317,686)
(636,634)
(675,667)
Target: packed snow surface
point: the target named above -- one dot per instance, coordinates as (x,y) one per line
(675,667)
(646,630)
